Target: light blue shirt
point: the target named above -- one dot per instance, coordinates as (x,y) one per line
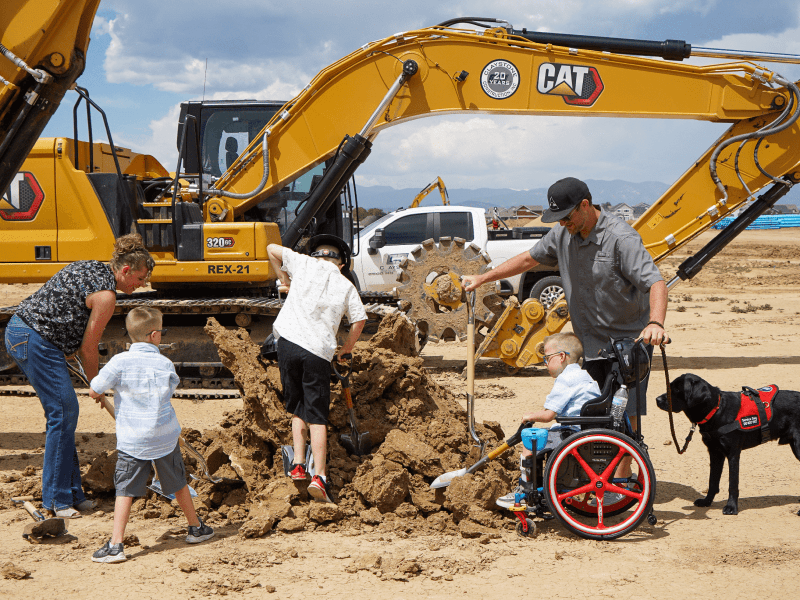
(573,388)
(143,382)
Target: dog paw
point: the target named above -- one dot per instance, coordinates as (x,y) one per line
(730,510)
(702,502)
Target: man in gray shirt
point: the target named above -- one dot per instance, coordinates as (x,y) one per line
(612,285)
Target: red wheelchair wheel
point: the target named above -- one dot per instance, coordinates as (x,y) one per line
(578,482)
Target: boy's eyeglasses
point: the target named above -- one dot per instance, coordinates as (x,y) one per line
(161,331)
(547,357)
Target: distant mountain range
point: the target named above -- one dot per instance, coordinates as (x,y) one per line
(616,191)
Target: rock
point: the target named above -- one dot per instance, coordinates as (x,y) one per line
(215,456)
(405,449)
(187,567)
(471,529)
(323,511)
(275,500)
(100,476)
(257,527)
(426,499)
(292,525)
(130,540)
(382,483)
(406,511)
(475,490)
(368,561)
(371,516)
(11,571)
(409,567)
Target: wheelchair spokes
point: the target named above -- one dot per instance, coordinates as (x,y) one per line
(582,492)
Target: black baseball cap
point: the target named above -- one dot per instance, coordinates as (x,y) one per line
(563,196)
(327,239)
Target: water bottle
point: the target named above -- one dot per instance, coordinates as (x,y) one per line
(618,405)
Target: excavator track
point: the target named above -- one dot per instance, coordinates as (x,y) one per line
(196,361)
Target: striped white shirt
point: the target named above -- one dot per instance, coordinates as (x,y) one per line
(143,382)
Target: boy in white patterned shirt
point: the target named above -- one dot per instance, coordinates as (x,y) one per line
(319,295)
(147,428)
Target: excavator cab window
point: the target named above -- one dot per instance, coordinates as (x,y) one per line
(226,134)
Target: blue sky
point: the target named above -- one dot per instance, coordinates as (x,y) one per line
(146,57)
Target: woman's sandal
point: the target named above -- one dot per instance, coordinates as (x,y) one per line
(68,513)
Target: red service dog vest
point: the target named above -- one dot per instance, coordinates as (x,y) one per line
(755,411)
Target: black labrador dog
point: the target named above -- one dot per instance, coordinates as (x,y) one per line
(698,399)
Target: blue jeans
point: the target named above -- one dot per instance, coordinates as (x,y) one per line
(46,368)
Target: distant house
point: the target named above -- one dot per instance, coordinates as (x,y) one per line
(623,211)
(528,211)
(640,209)
(783,209)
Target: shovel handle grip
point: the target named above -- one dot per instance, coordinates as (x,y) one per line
(344,376)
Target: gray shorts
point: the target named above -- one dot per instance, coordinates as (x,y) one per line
(131,474)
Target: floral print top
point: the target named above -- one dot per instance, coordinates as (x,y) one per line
(58,311)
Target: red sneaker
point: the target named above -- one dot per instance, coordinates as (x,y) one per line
(320,490)
(299,473)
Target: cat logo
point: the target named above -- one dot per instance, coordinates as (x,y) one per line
(578,85)
(23,199)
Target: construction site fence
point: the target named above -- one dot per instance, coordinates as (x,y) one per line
(765,222)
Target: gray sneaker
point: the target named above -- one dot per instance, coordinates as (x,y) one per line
(110,553)
(199,534)
(508,500)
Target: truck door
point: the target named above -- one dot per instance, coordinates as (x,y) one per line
(402,235)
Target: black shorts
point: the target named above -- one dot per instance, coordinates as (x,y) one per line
(306,380)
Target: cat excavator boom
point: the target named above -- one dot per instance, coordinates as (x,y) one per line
(211,232)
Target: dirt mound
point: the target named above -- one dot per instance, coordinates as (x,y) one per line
(417,428)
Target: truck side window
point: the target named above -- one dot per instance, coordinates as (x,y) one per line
(412,229)
(456,224)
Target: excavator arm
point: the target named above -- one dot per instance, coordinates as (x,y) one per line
(441,70)
(42,54)
(436,184)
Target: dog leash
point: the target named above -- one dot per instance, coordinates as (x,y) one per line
(669,403)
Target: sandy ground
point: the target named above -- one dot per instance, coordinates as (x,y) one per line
(735,325)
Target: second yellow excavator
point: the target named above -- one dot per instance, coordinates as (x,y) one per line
(435,184)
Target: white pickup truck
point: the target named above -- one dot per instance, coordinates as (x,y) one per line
(383,245)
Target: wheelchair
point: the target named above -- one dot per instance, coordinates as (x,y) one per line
(571,476)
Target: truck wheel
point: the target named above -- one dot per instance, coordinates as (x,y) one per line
(547,290)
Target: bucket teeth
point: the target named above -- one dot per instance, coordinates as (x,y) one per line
(453,255)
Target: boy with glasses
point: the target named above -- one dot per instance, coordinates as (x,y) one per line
(573,388)
(147,428)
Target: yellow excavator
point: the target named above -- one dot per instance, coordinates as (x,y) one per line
(435,184)
(209,232)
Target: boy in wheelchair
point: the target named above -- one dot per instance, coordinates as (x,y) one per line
(573,387)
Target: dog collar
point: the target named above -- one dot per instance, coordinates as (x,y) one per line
(711,414)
